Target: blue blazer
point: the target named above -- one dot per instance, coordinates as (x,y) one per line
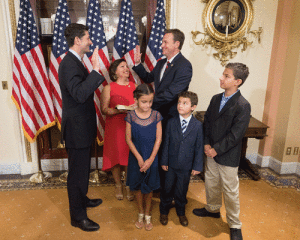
(183,151)
(175,80)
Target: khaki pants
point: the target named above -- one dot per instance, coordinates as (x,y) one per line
(223,179)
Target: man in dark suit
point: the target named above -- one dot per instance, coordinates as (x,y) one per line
(79,125)
(225,123)
(182,155)
(171,75)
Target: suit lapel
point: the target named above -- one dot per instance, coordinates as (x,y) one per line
(230,103)
(178,127)
(170,69)
(217,106)
(189,127)
(79,63)
(161,64)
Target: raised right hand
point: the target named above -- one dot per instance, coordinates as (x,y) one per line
(137,55)
(95,60)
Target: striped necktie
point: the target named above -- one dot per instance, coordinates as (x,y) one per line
(183,125)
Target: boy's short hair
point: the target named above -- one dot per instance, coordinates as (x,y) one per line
(191,95)
(240,71)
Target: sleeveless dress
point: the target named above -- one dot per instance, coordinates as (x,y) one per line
(115,148)
(143,135)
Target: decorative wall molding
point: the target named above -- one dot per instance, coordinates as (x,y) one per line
(274,164)
(48,165)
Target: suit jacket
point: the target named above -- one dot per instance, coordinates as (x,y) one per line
(224,130)
(79,124)
(175,80)
(183,151)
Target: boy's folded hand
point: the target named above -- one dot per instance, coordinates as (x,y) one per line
(194,172)
(211,153)
(164,167)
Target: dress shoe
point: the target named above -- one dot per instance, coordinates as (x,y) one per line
(163,219)
(183,220)
(202,212)
(86,225)
(236,234)
(94,202)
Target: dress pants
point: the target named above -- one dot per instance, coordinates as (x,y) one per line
(79,160)
(223,179)
(176,185)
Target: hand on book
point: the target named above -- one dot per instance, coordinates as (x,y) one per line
(126,108)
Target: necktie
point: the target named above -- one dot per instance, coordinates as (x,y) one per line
(168,63)
(183,125)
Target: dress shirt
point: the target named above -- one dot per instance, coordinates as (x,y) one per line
(164,67)
(79,58)
(225,100)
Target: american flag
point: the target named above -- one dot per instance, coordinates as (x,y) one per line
(59,49)
(97,35)
(126,38)
(154,51)
(31,88)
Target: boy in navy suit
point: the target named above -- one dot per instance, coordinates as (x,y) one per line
(182,155)
(225,123)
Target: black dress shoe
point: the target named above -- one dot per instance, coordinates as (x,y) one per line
(163,219)
(202,212)
(236,234)
(86,225)
(183,220)
(94,202)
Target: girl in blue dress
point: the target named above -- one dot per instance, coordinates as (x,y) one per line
(143,136)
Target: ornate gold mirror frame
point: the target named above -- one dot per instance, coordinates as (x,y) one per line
(227,26)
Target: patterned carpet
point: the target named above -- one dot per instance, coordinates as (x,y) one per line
(57,180)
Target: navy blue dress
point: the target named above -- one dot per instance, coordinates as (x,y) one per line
(143,135)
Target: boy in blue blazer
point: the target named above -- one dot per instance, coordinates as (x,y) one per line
(225,123)
(182,155)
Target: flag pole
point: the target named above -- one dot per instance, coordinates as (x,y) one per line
(40,176)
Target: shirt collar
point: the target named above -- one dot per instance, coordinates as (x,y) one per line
(76,54)
(227,98)
(171,60)
(186,119)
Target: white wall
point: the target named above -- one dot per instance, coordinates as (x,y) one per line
(10,135)
(207,70)
(12,148)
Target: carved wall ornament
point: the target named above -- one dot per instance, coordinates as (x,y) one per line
(227,27)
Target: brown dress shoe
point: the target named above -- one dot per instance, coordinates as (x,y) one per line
(163,219)
(183,220)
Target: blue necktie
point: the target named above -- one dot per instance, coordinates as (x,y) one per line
(183,125)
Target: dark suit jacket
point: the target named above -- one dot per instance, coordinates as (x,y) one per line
(183,151)
(79,125)
(224,130)
(176,79)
